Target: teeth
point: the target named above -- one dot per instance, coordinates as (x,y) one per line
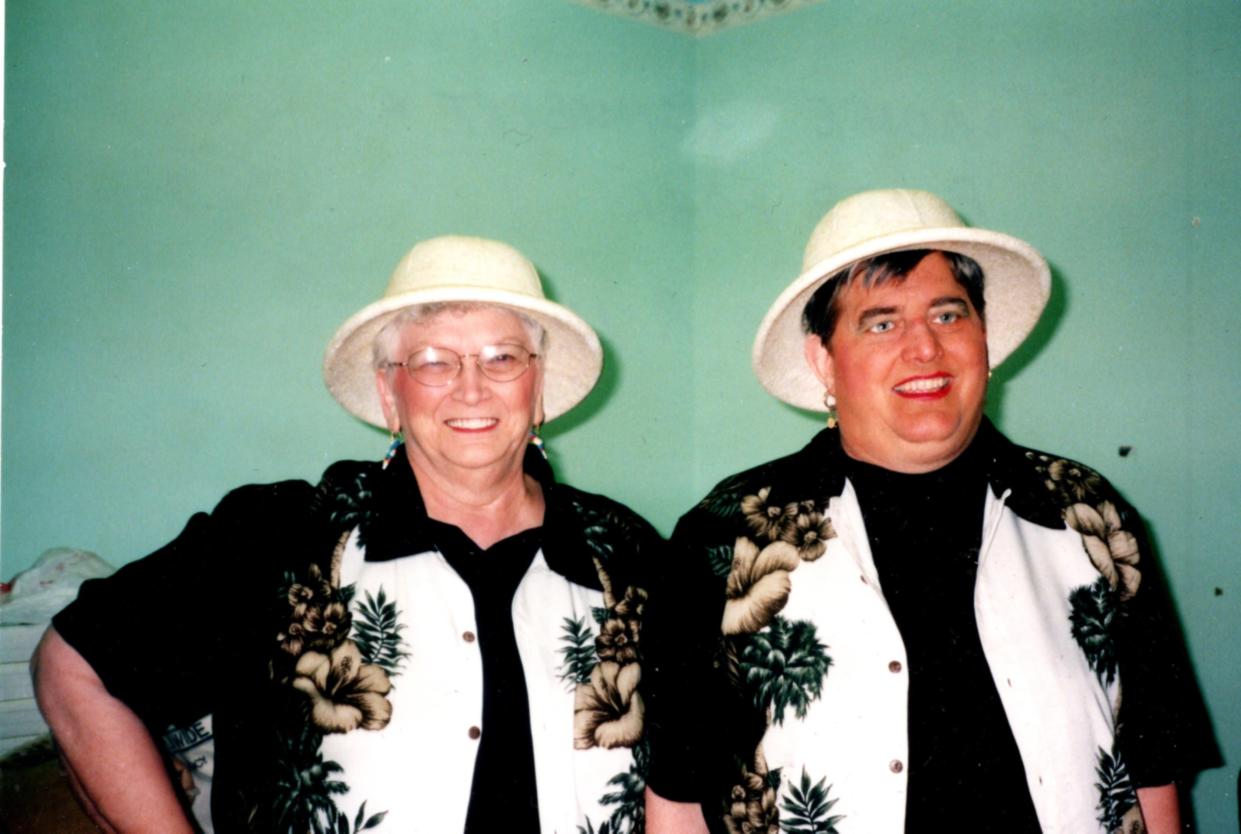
(922,386)
(472,422)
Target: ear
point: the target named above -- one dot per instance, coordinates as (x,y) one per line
(820,361)
(387,400)
(538,399)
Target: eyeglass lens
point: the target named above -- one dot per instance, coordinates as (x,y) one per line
(439,366)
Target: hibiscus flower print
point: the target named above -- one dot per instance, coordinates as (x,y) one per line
(607,710)
(766,520)
(758,585)
(809,532)
(1072,482)
(1112,549)
(317,620)
(346,693)
(752,803)
(621,632)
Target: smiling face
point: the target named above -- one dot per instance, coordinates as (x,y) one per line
(472,422)
(907,363)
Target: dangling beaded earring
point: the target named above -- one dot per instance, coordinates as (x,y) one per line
(536,441)
(829,400)
(396,443)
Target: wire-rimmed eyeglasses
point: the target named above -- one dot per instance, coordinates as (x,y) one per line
(438,366)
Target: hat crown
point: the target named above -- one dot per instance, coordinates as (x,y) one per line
(874,214)
(460,261)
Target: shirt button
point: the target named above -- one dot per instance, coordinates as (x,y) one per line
(894,666)
(468,637)
(896,766)
(862,577)
(475,733)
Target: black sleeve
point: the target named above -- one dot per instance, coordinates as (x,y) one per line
(1164,730)
(692,712)
(166,634)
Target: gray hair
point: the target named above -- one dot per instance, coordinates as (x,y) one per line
(388,339)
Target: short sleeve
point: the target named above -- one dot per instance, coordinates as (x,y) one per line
(167,633)
(1164,730)
(690,703)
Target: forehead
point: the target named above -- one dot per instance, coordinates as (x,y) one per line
(470,327)
(931,281)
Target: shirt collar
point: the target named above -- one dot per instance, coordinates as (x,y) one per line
(1007,467)
(398,525)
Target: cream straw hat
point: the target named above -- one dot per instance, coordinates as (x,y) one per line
(473,270)
(1017,280)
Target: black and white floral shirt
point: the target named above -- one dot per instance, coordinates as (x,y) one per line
(315,653)
(779,684)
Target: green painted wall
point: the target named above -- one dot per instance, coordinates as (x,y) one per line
(199,194)
(196,198)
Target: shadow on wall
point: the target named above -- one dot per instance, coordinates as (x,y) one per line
(1047,325)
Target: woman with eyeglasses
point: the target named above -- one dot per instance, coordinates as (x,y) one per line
(446,640)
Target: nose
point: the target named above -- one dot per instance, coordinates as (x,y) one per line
(470,385)
(922,343)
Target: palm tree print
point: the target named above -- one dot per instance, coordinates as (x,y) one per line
(720,558)
(1117,796)
(338,823)
(784,666)
(1093,611)
(377,631)
(806,808)
(725,500)
(305,784)
(578,651)
(349,504)
(630,815)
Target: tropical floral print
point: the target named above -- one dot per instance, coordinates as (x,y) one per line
(752,802)
(341,662)
(1093,611)
(318,615)
(1112,549)
(629,816)
(754,530)
(784,666)
(1118,799)
(608,708)
(806,808)
(765,518)
(621,632)
(345,692)
(781,664)
(809,532)
(1087,509)
(758,585)
(578,651)
(377,632)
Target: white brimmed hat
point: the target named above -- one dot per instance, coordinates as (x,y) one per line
(1016,279)
(471,270)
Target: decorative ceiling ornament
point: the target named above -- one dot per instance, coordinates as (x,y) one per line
(695,17)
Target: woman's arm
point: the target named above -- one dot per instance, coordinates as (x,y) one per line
(663,816)
(1161,808)
(113,763)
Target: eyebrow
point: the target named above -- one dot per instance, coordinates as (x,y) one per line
(874,313)
(871,313)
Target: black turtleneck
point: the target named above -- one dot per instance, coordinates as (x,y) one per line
(925,531)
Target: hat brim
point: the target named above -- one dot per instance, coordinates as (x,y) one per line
(572,358)
(1017,283)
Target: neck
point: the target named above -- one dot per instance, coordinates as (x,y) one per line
(488,504)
